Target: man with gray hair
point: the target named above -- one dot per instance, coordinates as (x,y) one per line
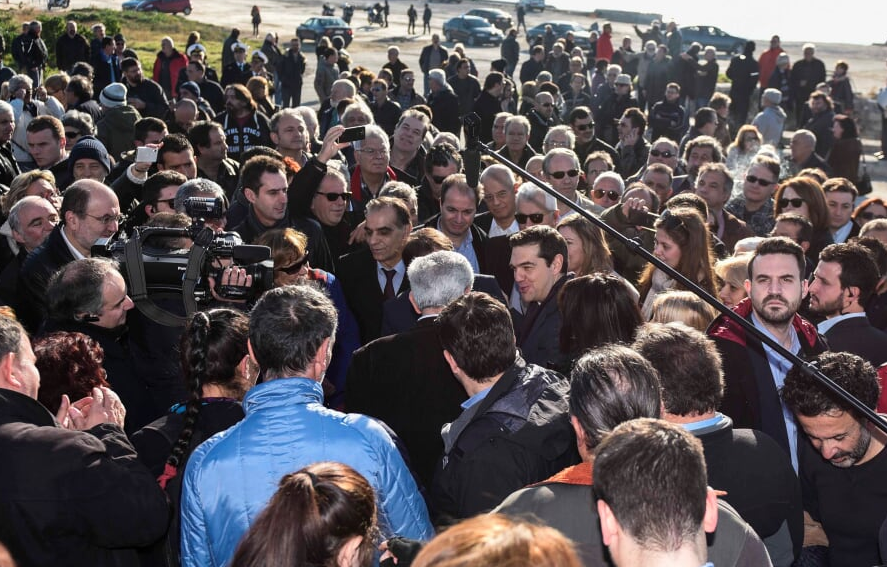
(534,207)
(206,189)
(500,198)
(8,165)
(443,102)
(561,169)
(382,380)
(770,121)
(803,153)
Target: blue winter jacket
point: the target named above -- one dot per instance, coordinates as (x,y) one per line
(232,476)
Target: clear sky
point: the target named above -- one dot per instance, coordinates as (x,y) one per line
(760,19)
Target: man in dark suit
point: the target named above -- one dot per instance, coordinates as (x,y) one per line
(373,276)
(752,373)
(383,377)
(90,210)
(399,315)
(458,206)
(539,261)
(843,282)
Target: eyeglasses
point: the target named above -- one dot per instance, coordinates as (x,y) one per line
(759,181)
(169,202)
(795,203)
(609,193)
(584,127)
(662,153)
(562,174)
(107,219)
(438,179)
(866,215)
(554,144)
(333,197)
(373,152)
(296,267)
(70,135)
(535,217)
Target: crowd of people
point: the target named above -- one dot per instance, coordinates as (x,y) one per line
(430,359)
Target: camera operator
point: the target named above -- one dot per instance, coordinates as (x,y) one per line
(89,296)
(158,196)
(265,186)
(203,188)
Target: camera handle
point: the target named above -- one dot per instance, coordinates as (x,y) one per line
(135,270)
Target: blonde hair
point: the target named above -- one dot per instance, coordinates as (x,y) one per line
(494,540)
(685,307)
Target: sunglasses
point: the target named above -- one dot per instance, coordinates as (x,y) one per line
(869,216)
(333,197)
(610,194)
(562,174)
(662,153)
(70,135)
(438,179)
(759,181)
(795,203)
(296,267)
(171,203)
(535,217)
(584,127)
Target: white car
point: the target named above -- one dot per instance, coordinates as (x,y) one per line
(531,5)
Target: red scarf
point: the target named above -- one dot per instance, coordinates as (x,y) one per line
(357,185)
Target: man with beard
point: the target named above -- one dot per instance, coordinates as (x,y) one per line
(143,94)
(843,283)
(842,461)
(243,124)
(753,372)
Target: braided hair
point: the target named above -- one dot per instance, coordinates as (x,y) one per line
(212,345)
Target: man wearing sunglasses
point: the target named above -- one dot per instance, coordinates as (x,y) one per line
(561,169)
(443,160)
(755,205)
(582,123)
(607,190)
(541,117)
(329,207)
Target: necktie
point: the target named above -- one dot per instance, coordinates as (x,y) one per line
(389,283)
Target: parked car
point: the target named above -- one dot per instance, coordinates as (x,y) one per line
(166,6)
(315,28)
(716,37)
(561,27)
(498,18)
(531,5)
(472,30)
